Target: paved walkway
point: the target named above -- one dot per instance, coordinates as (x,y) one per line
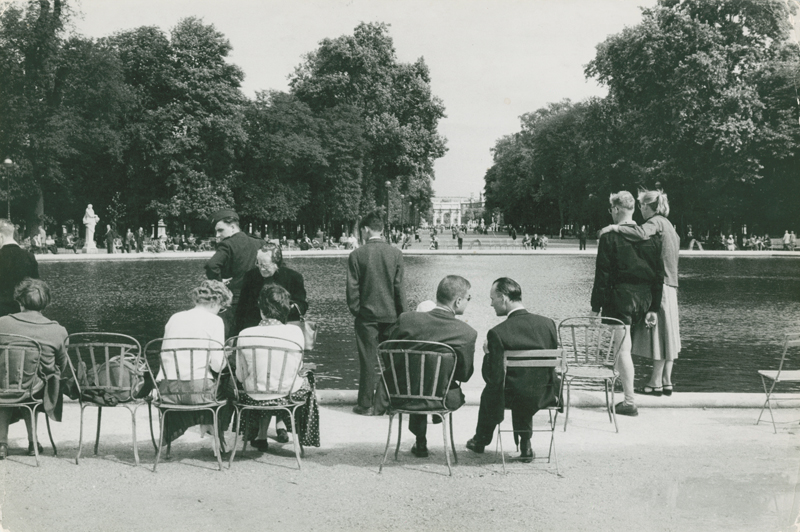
(670,469)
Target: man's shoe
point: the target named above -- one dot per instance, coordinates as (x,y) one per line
(475,447)
(363,410)
(420,450)
(526,454)
(260,445)
(626,410)
(282,436)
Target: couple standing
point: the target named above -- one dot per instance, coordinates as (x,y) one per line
(376,297)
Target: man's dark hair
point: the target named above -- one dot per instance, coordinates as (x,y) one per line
(373,220)
(274,302)
(277,254)
(450,288)
(230,220)
(508,287)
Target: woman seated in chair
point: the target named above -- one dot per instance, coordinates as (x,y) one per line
(198,328)
(274,303)
(33,295)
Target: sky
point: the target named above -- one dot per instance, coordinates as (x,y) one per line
(490,61)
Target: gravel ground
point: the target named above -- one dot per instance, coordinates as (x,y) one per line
(687,469)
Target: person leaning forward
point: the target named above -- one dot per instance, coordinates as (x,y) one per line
(375,297)
(235,256)
(437,325)
(524,390)
(15,265)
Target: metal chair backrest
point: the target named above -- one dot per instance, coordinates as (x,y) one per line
(185,360)
(412,369)
(266,365)
(104,356)
(20,357)
(591,341)
(790,340)
(535,358)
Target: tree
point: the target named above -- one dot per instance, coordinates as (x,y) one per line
(399,113)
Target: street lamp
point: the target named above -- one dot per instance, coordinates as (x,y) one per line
(8,163)
(386,224)
(402,210)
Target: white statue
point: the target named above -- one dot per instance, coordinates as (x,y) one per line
(90,219)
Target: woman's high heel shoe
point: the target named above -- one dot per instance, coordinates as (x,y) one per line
(667,390)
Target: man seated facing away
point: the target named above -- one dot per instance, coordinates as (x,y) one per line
(437,325)
(526,389)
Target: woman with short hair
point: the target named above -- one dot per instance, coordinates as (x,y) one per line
(33,296)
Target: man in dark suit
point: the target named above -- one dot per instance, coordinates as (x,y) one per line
(437,325)
(269,270)
(376,297)
(526,389)
(15,265)
(235,256)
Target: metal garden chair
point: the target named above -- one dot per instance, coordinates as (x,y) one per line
(413,370)
(591,345)
(537,358)
(180,391)
(110,373)
(791,341)
(269,368)
(20,359)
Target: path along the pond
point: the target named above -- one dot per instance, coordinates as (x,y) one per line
(670,469)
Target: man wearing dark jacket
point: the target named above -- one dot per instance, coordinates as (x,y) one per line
(437,325)
(15,265)
(526,390)
(375,297)
(235,256)
(628,284)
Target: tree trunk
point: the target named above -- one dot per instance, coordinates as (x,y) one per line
(34,221)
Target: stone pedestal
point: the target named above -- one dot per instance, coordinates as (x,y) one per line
(89,248)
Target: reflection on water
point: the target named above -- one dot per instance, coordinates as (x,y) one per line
(733,310)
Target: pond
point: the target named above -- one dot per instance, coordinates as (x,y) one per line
(733,310)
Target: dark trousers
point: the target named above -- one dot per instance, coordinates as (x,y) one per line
(460,243)
(521,421)
(368,335)
(582,244)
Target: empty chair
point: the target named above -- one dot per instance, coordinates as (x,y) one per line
(537,358)
(591,345)
(416,376)
(110,372)
(788,371)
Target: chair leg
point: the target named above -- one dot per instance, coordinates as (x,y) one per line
(238,416)
(399,434)
(215,441)
(553,418)
(50,435)
(452,440)
(97,438)
(566,412)
(608,406)
(80,438)
(500,443)
(133,430)
(388,441)
(150,416)
(768,403)
(161,416)
(614,405)
(295,439)
(34,428)
(444,439)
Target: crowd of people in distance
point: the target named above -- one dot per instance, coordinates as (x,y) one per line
(252,299)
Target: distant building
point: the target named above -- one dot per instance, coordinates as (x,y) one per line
(453,210)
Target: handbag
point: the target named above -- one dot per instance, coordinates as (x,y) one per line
(309,329)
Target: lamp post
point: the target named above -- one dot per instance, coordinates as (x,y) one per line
(8,163)
(402,210)
(386,224)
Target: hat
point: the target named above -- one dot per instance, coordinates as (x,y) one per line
(222,214)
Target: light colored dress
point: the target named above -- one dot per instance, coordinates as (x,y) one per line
(207,328)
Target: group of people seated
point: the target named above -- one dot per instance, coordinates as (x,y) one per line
(534,242)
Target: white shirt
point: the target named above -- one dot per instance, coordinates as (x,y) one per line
(208,329)
(281,337)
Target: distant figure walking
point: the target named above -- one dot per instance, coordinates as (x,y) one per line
(582,238)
